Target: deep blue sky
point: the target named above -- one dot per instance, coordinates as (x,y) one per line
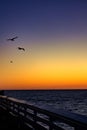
(43,19)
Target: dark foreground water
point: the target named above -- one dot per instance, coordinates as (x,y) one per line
(71,100)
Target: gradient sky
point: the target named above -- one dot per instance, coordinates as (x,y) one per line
(54,35)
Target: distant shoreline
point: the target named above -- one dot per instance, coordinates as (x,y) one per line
(45,90)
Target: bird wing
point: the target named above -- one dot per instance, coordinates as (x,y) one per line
(20,48)
(14,37)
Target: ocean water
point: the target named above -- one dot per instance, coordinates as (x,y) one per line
(70,100)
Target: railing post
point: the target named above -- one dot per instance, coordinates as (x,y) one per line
(18,107)
(1,102)
(51,123)
(35,114)
(25,111)
(34,119)
(7,103)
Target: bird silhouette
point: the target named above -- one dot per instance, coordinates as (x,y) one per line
(11,61)
(12,39)
(21,48)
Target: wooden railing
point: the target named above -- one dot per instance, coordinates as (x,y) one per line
(42,119)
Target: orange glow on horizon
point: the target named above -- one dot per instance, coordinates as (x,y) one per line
(48,68)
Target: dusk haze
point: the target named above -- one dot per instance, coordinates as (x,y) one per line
(43,44)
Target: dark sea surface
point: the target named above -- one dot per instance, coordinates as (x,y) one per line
(71,100)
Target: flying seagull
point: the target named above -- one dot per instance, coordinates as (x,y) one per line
(12,39)
(11,61)
(20,48)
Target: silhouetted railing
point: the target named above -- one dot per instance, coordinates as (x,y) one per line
(39,119)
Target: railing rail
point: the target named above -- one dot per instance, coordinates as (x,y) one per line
(43,119)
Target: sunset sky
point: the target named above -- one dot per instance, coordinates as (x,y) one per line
(54,35)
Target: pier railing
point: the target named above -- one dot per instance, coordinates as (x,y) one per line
(36,118)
